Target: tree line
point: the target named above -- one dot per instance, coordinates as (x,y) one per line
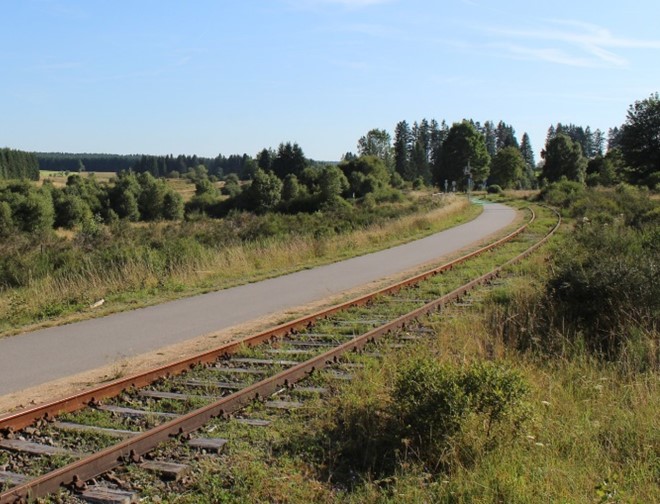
(15,164)
(490,154)
(284,181)
(159,166)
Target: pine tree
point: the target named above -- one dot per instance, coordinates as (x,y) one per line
(402,143)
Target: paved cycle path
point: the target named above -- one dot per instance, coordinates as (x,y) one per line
(37,357)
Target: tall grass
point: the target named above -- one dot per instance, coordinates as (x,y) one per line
(46,277)
(521,425)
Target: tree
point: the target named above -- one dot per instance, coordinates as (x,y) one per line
(265,159)
(377,143)
(172,205)
(366,174)
(232,187)
(527,151)
(464,146)
(290,159)
(35,212)
(265,192)
(439,134)
(332,183)
(152,194)
(505,136)
(563,158)
(290,187)
(420,152)
(507,167)
(488,132)
(640,141)
(70,210)
(402,142)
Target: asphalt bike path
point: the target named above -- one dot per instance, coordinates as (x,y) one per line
(41,356)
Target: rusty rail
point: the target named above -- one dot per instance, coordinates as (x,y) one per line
(130,449)
(26,417)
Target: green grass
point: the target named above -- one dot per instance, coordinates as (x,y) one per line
(591,432)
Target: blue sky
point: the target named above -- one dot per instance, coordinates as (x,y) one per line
(232,76)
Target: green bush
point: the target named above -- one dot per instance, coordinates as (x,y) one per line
(606,280)
(422,412)
(561,194)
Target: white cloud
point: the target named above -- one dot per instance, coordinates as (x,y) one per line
(567,42)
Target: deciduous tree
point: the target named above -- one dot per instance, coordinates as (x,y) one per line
(507,168)
(640,140)
(464,147)
(563,158)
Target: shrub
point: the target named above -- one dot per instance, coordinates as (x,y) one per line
(494,189)
(561,194)
(603,294)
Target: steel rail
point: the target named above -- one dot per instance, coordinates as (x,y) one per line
(131,449)
(23,418)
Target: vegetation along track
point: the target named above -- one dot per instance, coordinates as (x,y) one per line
(68,442)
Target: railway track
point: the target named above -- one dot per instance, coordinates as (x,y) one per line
(68,442)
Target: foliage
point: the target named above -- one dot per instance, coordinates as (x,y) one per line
(232,187)
(376,143)
(563,158)
(640,140)
(15,164)
(507,168)
(561,194)
(332,183)
(420,409)
(265,192)
(31,208)
(463,146)
(289,159)
(606,170)
(605,295)
(366,174)
(602,294)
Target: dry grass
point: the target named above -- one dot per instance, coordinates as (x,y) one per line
(59,178)
(64,299)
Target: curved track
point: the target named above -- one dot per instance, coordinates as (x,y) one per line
(67,350)
(295,332)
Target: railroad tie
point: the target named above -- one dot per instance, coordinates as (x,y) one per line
(309,344)
(166,470)
(103,495)
(239,370)
(214,384)
(310,390)
(119,410)
(175,396)
(253,422)
(264,362)
(214,445)
(11,479)
(18,445)
(289,351)
(92,428)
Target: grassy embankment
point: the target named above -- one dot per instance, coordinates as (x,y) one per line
(57,278)
(546,405)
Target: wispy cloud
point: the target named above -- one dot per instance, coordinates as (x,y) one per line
(567,42)
(349,4)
